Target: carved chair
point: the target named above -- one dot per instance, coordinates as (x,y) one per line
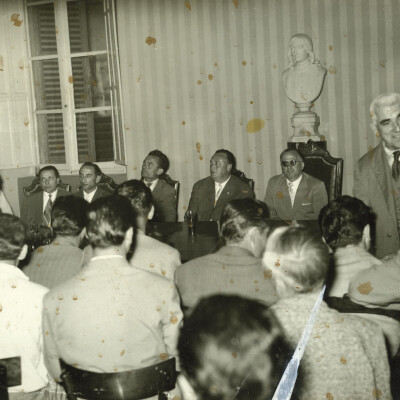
(127,385)
(321,165)
(167,179)
(10,375)
(35,187)
(241,175)
(106,182)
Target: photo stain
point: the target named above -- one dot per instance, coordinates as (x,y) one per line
(244,62)
(15,20)
(330,47)
(279,195)
(199,82)
(75,297)
(188,6)
(255,125)
(332,69)
(151,40)
(164,356)
(235,3)
(329,396)
(173,319)
(268,274)
(210,77)
(376,394)
(198,147)
(343,360)
(365,288)
(71,79)
(183,122)
(122,353)
(234,354)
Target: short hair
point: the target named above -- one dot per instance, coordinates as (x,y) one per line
(382,99)
(12,236)
(231,158)
(241,214)
(163,159)
(109,218)
(343,220)
(291,151)
(68,215)
(138,193)
(308,44)
(232,347)
(96,168)
(48,168)
(298,257)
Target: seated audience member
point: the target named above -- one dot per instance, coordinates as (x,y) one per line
(20,312)
(62,259)
(346,225)
(36,209)
(154,166)
(209,195)
(89,177)
(149,254)
(4,206)
(294,195)
(345,356)
(235,268)
(231,348)
(111,317)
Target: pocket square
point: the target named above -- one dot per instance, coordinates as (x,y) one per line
(305,204)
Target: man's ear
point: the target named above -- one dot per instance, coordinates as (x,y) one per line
(128,238)
(229,167)
(23,252)
(366,237)
(98,177)
(160,171)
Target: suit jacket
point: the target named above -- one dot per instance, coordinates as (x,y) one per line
(100,192)
(32,207)
(373,185)
(310,197)
(203,197)
(164,202)
(232,269)
(110,317)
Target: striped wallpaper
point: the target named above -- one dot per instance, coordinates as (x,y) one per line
(195,73)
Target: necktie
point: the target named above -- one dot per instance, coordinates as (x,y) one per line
(148,184)
(395,165)
(292,194)
(46,220)
(219,190)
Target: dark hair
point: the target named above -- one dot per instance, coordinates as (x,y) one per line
(48,168)
(343,220)
(231,158)
(12,236)
(96,168)
(138,193)
(232,347)
(163,159)
(291,151)
(68,215)
(109,218)
(241,214)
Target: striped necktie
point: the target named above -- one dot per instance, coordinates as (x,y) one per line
(395,165)
(46,220)
(219,190)
(292,194)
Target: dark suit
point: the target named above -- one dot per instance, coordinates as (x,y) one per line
(203,197)
(32,207)
(373,185)
(164,202)
(310,197)
(98,195)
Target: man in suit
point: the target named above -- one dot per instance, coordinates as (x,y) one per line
(154,166)
(209,195)
(89,177)
(111,316)
(36,209)
(294,195)
(235,268)
(376,174)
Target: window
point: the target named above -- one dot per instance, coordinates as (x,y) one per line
(76,82)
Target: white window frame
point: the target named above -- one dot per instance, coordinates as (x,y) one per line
(64,56)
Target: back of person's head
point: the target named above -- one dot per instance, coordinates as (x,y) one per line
(297,258)
(239,215)
(229,155)
(163,159)
(12,236)
(96,168)
(232,347)
(138,193)
(343,221)
(68,215)
(108,220)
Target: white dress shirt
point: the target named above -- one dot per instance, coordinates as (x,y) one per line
(46,197)
(389,154)
(151,184)
(89,196)
(4,206)
(295,184)
(220,185)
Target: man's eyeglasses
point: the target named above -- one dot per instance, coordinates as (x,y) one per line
(49,179)
(290,162)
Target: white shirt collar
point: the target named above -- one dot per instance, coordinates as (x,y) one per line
(389,154)
(153,184)
(46,197)
(295,183)
(89,196)
(223,184)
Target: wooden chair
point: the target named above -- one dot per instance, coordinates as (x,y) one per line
(241,175)
(166,178)
(10,375)
(321,165)
(106,182)
(35,187)
(127,385)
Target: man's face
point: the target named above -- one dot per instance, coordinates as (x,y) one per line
(151,168)
(298,49)
(220,169)
(388,124)
(292,165)
(48,181)
(88,179)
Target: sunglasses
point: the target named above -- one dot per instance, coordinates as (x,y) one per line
(287,163)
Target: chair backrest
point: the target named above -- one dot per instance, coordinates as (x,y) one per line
(106,183)
(35,187)
(166,178)
(10,375)
(127,385)
(321,165)
(241,175)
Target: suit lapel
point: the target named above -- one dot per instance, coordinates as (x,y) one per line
(301,194)
(285,200)
(225,194)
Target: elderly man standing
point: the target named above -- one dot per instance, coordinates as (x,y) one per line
(209,195)
(376,175)
(294,195)
(89,177)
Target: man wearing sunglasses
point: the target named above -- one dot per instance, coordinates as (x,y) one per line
(294,195)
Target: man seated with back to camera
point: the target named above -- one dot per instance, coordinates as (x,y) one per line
(111,317)
(62,259)
(235,268)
